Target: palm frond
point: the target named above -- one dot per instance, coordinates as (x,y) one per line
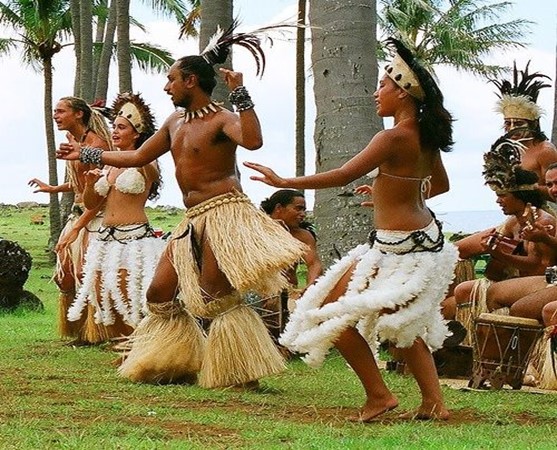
(151,58)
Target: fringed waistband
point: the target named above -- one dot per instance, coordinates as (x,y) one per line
(229,197)
(128,232)
(427,239)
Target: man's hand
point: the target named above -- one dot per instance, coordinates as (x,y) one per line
(69,150)
(231,78)
(40,186)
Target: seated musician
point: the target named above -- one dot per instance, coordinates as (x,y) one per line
(511,255)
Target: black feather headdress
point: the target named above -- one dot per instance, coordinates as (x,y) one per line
(500,165)
(219,45)
(517,98)
(133,108)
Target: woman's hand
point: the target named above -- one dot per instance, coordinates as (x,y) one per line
(365,189)
(92,176)
(269,176)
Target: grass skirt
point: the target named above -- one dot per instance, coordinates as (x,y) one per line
(69,264)
(117,273)
(413,284)
(167,346)
(542,361)
(252,250)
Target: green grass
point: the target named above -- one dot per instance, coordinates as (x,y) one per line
(56,396)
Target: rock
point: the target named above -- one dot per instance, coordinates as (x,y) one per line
(27,205)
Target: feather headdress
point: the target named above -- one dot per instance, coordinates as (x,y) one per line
(517,99)
(133,108)
(219,45)
(401,72)
(500,165)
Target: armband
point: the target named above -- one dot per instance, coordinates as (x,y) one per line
(91,155)
(241,99)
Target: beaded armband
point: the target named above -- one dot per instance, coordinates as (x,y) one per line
(91,155)
(241,99)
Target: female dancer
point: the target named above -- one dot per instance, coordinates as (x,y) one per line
(393,286)
(121,259)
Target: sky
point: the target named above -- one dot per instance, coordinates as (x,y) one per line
(471,101)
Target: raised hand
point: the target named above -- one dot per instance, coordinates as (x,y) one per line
(231,78)
(269,176)
(40,186)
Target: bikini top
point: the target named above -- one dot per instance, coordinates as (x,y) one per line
(130,181)
(425,183)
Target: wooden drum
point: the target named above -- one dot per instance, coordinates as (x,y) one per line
(502,348)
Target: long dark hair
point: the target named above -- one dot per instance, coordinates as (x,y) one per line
(434,121)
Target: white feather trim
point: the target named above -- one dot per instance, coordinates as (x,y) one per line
(414,284)
(103,285)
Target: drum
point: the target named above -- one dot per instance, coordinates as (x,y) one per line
(502,348)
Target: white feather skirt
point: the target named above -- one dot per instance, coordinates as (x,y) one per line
(116,275)
(411,284)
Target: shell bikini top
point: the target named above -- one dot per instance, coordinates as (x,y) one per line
(130,181)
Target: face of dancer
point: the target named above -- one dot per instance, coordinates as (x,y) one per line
(509,204)
(551,182)
(292,214)
(178,86)
(124,135)
(385,97)
(520,125)
(65,116)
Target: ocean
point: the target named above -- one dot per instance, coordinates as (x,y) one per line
(469,221)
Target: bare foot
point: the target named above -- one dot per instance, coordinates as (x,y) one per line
(371,410)
(427,413)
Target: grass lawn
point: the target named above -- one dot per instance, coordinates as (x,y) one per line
(55,396)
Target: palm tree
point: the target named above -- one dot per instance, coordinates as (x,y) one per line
(345,76)
(460,33)
(40,26)
(301,90)
(554,125)
(216,13)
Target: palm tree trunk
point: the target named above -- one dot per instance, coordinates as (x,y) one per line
(54,207)
(98,45)
(301,91)
(216,13)
(123,51)
(75,10)
(345,76)
(554,125)
(86,42)
(101,90)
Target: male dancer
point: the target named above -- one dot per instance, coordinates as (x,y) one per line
(225,246)
(85,125)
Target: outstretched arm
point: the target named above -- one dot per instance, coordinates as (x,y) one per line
(376,152)
(155,146)
(41,186)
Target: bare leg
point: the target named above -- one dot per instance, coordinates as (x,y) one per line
(421,364)
(448,308)
(355,350)
(164,285)
(549,314)
(506,293)
(532,305)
